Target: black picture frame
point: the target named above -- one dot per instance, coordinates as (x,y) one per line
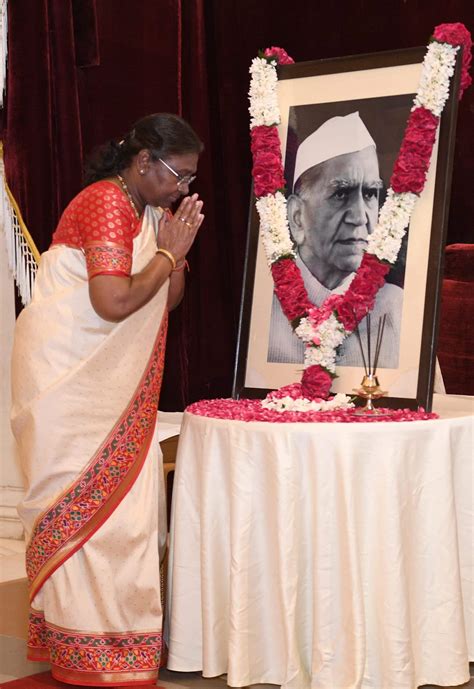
(419,392)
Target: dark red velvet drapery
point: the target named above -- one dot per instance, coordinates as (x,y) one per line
(42,122)
(81,71)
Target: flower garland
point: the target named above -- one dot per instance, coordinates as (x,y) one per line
(289,398)
(324,328)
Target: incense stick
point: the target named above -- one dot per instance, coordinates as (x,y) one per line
(377,346)
(359,339)
(379,342)
(368,340)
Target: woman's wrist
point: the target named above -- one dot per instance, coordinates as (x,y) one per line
(168,255)
(180,266)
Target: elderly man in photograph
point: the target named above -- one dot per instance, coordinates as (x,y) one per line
(331,212)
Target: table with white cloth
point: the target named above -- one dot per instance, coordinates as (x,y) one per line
(324,555)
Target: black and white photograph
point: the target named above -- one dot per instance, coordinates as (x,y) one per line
(338,163)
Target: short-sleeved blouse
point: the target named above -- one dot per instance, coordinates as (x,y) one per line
(101,222)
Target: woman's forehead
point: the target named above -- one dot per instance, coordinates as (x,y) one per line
(183,162)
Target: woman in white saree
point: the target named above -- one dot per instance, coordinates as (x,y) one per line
(87,368)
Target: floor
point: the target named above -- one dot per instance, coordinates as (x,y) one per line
(13,612)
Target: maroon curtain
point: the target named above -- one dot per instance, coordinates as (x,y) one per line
(42,134)
(202,330)
(456,336)
(79,76)
(137,73)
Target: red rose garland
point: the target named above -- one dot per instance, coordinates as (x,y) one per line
(457,34)
(281,55)
(267,171)
(413,161)
(290,289)
(409,176)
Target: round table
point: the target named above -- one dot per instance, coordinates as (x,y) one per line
(323,555)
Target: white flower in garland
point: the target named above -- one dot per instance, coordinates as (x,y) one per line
(396,211)
(274,227)
(438,67)
(321,341)
(385,248)
(394,217)
(320,356)
(282,404)
(330,333)
(264,108)
(305,330)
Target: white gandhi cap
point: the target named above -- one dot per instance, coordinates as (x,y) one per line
(335,137)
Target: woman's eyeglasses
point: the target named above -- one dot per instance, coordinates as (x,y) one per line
(182,179)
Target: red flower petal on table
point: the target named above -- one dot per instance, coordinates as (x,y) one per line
(252,410)
(290,289)
(281,55)
(293,390)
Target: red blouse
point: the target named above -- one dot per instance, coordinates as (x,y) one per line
(101,221)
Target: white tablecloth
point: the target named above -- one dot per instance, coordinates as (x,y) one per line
(168,424)
(322,555)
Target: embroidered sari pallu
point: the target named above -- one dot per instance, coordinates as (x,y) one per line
(85,402)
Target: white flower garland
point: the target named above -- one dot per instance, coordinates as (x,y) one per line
(322,341)
(274,228)
(394,216)
(264,108)
(282,404)
(438,68)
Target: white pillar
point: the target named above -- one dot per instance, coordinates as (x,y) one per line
(11,480)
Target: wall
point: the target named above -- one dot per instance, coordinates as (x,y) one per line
(11,481)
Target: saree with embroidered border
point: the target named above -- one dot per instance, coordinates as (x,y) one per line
(85,398)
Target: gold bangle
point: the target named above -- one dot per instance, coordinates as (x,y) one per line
(169,256)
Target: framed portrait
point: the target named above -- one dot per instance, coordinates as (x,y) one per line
(375,92)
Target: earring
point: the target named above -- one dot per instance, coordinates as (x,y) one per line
(142,172)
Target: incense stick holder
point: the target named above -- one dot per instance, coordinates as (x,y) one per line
(369,390)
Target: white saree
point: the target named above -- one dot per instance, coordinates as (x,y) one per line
(85,397)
